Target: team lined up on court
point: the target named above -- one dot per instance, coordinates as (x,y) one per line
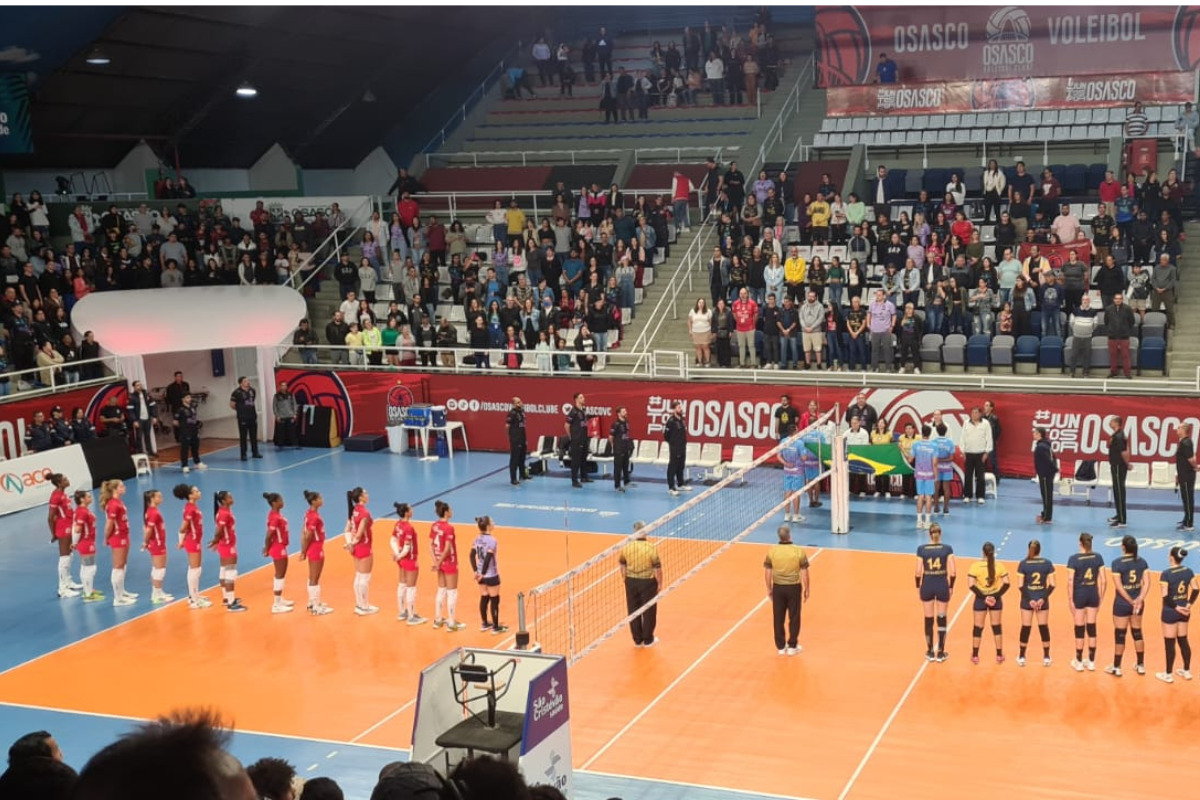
(1088,581)
(75,530)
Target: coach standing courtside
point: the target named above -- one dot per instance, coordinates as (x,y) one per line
(675,434)
(787,584)
(976,443)
(990,417)
(622,449)
(642,571)
(1118,463)
(242,401)
(1185,474)
(576,427)
(1045,469)
(517,446)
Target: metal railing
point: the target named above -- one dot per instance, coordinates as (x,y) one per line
(460,116)
(340,237)
(790,107)
(460,359)
(537,200)
(641,155)
(27,383)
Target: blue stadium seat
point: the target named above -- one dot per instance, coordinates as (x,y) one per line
(1095,176)
(1026,351)
(1153,354)
(978,350)
(935,182)
(1050,353)
(1035,324)
(1074,180)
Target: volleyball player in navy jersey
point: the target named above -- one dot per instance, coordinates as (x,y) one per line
(1037,584)
(1180,590)
(935,581)
(1085,571)
(1129,602)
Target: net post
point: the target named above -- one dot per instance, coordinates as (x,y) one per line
(522,642)
(839,487)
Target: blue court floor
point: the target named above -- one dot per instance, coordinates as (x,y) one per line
(33,622)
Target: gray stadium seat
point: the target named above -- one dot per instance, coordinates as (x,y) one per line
(978,135)
(821,140)
(1064,132)
(920,122)
(1066,116)
(929,137)
(937,121)
(858,124)
(912,138)
(962,136)
(1016,118)
(874,123)
(954,350)
(1154,113)
(953,120)
(1095,132)
(931,351)
(1002,351)
(891,123)
(904,122)
(1116,115)
(899,137)
(1100,352)
(1045,134)
(1000,119)
(946,136)
(828,125)
(1083,116)
(843,125)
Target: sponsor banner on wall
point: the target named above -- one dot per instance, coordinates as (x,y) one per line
(15,415)
(281,207)
(950,43)
(25,482)
(1075,91)
(734,414)
(16,126)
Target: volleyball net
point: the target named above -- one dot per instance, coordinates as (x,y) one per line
(574,613)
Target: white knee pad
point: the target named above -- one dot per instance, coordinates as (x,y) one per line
(158,573)
(229,574)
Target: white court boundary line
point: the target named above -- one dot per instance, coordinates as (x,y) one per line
(665,783)
(384,721)
(887,723)
(680,678)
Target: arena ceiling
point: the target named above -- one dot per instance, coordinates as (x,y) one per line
(173,73)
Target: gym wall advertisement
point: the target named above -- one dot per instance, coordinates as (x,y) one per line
(735,414)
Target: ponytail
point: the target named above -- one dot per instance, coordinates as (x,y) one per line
(1085,539)
(182,490)
(402,509)
(351,499)
(56,479)
(310,496)
(1035,549)
(1178,554)
(107,490)
(147,499)
(1129,545)
(219,500)
(272,498)
(79,495)
(484,523)
(989,554)
(440,508)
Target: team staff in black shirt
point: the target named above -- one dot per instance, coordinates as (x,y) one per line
(622,449)
(1118,462)
(576,427)
(242,401)
(187,430)
(517,446)
(675,435)
(1185,472)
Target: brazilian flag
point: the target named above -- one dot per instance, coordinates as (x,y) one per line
(870,459)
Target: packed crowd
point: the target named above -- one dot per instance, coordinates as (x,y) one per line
(854,287)
(186,754)
(717,61)
(559,287)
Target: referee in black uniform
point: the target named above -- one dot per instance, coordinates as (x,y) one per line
(576,427)
(1118,464)
(622,449)
(242,401)
(517,446)
(1185,474)
(675,434)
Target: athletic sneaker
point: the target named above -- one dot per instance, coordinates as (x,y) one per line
(1186,674)
(94,597)
(1140,669)
(402,616)
(1114,671)
(65,593)
(75,585)
(981,501)
(781,652)
(942,656)
(236,606)
(161,599)
(1091,665)
(201,466)
(974,659)
(922,524)
(416,619)
(454,627)
(320,610)
(791,651)
(685,488)
(1046,661)
(1077,665)
(674,492)
(1020,661)
(437,623)
(485,627)
(787,516)
(798,518)
(1165,677)
(280,608)
(285,602)
(131,595)
(124,600)
(186,470)
(195,605)
(651,643)
(499,629)
(364,611)
(930,655)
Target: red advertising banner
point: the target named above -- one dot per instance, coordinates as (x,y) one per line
(1059,254)
(15,415)
(950,43)
(744,413)
(940,97)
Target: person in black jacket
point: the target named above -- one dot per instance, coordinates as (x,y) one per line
(61,433)
(141,410)
(576,428)
(113,417)
(675,435)
(187,430)
(82,429)
(243,402)
(1045,468)
(1185,471)
(1118,462)
(517,446)
(335,334)
(622,450)
(38,437)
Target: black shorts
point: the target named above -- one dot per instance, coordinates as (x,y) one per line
(493,581)
(1087,597)
(935,590)
(1025,604)
(1170,616)
(1121,608)
(981,603)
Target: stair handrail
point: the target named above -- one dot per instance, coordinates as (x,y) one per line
(341,236)
(791,106)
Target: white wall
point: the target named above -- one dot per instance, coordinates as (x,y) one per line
(215,181)
(273,172)
(130,174)
(328,182)
(374,174)
(196,367)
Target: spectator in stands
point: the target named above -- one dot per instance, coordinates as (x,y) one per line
(994,185)
(745,315)
(1110,190)
(1141,235)
(909,331)
(881,322)
(604,52)
(812,330)
(1110,280)
(1050,299)
(1066,225)
(1165,245)
(856,329)
(543,59)
(1051,190)
(1075,276)
(1082,324)
(882,192)
(983,305)
(1136,122)
(39,435)
(1163,284)
(886,70)
(714,74)
(1119,321)
(1007,272)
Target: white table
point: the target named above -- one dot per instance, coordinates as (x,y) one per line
(449,428)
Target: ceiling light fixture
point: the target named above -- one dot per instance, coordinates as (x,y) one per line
(246,90)
(368,96)
(97,57)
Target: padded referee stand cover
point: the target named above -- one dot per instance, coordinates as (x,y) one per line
(318,427)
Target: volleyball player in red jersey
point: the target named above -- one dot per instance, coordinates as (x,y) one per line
(60,521)
(116,536)
(358,540)
(191,541)
(155,543)
(445,564)
(84,536)
(312,549)
(276,548)
(404,550)
(225,543)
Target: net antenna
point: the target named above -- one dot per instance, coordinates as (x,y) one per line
(576,612)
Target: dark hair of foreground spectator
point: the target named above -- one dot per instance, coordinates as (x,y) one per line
(38,778)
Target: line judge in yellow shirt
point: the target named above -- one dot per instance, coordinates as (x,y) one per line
(642,570)
(787,582)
